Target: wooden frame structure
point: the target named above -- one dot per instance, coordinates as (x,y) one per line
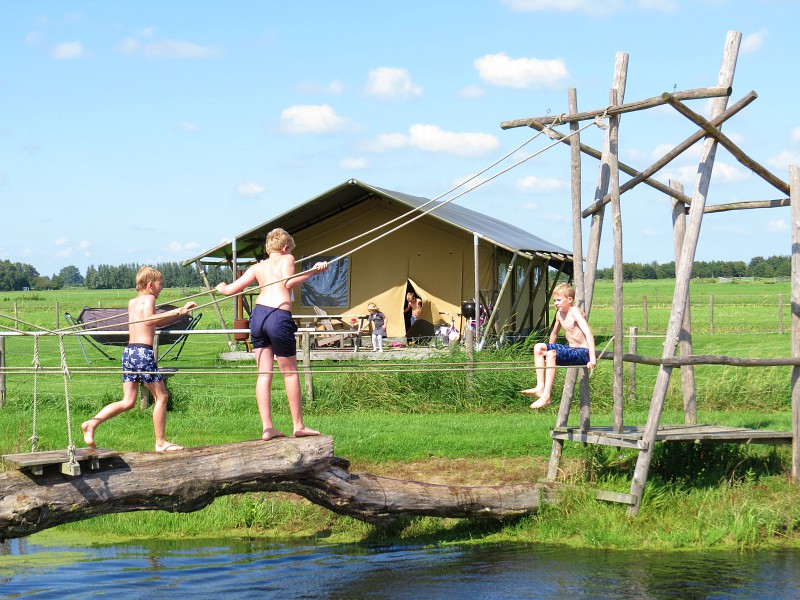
(688,213)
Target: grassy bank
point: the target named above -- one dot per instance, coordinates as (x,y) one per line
(432,422)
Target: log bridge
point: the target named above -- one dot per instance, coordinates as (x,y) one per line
(190,480)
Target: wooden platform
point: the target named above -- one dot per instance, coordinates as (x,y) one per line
(36,461)
(631,436)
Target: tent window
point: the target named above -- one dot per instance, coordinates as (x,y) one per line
(330,288)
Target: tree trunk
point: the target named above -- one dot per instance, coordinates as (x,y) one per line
(189,480)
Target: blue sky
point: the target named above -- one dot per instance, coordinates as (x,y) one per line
(149,131)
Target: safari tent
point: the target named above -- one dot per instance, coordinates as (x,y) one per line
(383,243)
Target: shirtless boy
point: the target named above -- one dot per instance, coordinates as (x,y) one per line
(579,351)
(138,360)
(272,328)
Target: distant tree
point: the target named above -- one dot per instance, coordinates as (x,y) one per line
(15,276)
(71,275)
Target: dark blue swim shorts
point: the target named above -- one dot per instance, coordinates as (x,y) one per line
(567,356)
(273,327)
(139,364)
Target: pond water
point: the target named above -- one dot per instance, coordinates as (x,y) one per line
(255,569)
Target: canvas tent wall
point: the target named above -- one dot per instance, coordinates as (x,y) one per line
(435,254)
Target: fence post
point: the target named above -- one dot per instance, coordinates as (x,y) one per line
(632,342)
(307,377)
(644,309)
(711,313)
(2,371)
(58,326)
(780,314)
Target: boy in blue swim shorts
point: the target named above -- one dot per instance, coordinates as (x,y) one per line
(272,328)
(138,359)
(578,351)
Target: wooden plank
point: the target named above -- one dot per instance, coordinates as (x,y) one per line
(56,457)
(610,496)
(598,440)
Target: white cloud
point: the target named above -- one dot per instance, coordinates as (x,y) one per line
(783,159)
(652,232)
(176,49)
(249,190)
(60,241)
(186,126)
(389,83)
(522,73)
(309,118)
(472,91)
(777,226)
(590,7)
(667,6)
(795,136)
(354,163)
(539,185)
(68,51)
(334,88)
(431,138)
(753,42)
(178,247)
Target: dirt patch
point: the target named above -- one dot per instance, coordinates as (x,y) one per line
(461,471)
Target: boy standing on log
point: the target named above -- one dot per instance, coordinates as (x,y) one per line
(272,328)
(579,351)
(138,359)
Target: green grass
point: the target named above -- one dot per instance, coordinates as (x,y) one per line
(385,417)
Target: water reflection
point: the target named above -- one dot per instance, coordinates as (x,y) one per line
(254,569)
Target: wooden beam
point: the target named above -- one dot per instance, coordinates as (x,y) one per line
(715,92)
(794,174)
(671,155)
(729,144)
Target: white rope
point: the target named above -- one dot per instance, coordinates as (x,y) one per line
(34,439)
(73,462)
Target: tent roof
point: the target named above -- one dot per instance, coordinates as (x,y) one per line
(353,192)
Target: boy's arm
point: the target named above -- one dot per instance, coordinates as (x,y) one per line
(167,318)
(246,279)
(583,325)
(554,331)
(292,281)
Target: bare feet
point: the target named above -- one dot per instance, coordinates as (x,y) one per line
(532,392)
(168,447)
(540,403)
(88,428)
(305,432)
(270,433)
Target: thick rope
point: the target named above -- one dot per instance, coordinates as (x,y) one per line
(34,439)
(73,462)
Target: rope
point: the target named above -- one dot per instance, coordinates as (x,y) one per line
(611,339)
(419,216)
(73,462)
(34,439)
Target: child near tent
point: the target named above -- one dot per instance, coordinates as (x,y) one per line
(579,351)
(272,328)
(379,321)
(138,360)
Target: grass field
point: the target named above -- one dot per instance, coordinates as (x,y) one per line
(433,422)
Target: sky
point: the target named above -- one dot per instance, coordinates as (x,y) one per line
(150,131)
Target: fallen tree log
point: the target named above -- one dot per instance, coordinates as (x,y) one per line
(190,480)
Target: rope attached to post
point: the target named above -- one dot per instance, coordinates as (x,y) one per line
(34,439)
(73,462)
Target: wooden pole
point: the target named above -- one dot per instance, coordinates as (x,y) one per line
(307,376)
(632,348)
(590,274)
(794,178)
(616,220)
(202,272)
(683,276)
(780,314)
(711,313)
(685,336)
(645,315)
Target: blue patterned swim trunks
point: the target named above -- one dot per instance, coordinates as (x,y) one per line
(139,364)
(567,356)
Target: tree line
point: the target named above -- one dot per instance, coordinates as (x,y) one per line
(20,276)
(774,266)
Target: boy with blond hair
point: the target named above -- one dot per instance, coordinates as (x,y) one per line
(138,359)
(579,351)
(272,328)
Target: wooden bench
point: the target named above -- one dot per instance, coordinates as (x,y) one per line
(36,461)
